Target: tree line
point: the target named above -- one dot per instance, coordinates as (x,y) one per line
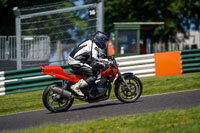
(177,15)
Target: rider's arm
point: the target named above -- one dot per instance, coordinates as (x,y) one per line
(95,63)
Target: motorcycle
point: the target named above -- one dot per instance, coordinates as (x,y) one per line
(58,96)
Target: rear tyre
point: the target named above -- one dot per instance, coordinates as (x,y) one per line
(54,102)
(124,95)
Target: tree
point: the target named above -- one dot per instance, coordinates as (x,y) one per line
(178,15)
(69,28)
(7,23)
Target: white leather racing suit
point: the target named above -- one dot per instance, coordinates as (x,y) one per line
(84,60)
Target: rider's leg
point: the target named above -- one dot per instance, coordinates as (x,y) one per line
(80,84)
(86,70)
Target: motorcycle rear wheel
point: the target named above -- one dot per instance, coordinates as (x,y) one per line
(124,95)
(54,102)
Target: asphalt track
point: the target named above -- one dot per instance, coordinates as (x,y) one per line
(151,103)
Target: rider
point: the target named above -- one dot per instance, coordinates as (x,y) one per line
(84,60)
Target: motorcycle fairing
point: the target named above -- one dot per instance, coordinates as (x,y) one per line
(58,72)
(110,73)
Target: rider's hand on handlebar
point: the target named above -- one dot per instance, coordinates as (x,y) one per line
(104,64)
(110,62)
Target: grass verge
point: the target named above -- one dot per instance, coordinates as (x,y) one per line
(154,85)
(171,121)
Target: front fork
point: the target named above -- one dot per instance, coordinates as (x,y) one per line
(121,76)
(123,79)
(128,87)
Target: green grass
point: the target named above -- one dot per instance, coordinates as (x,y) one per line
(154,85)
(171,121)
(21,102)
(171,83)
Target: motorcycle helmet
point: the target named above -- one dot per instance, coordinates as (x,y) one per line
(101,39)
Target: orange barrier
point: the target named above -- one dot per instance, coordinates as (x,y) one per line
(168,63)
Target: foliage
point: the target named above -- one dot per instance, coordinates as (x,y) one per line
(8,23)
(178,15)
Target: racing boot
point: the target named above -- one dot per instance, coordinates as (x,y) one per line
(76,87)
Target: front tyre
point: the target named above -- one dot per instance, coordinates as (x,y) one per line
(54,102)
(127,96)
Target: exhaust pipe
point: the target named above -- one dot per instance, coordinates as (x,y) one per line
(62,92)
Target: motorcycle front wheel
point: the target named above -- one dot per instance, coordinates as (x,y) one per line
(124,94)
(54,102)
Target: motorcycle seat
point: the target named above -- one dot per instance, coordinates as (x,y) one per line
(70,72)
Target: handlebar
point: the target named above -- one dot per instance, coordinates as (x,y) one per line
(111,59)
